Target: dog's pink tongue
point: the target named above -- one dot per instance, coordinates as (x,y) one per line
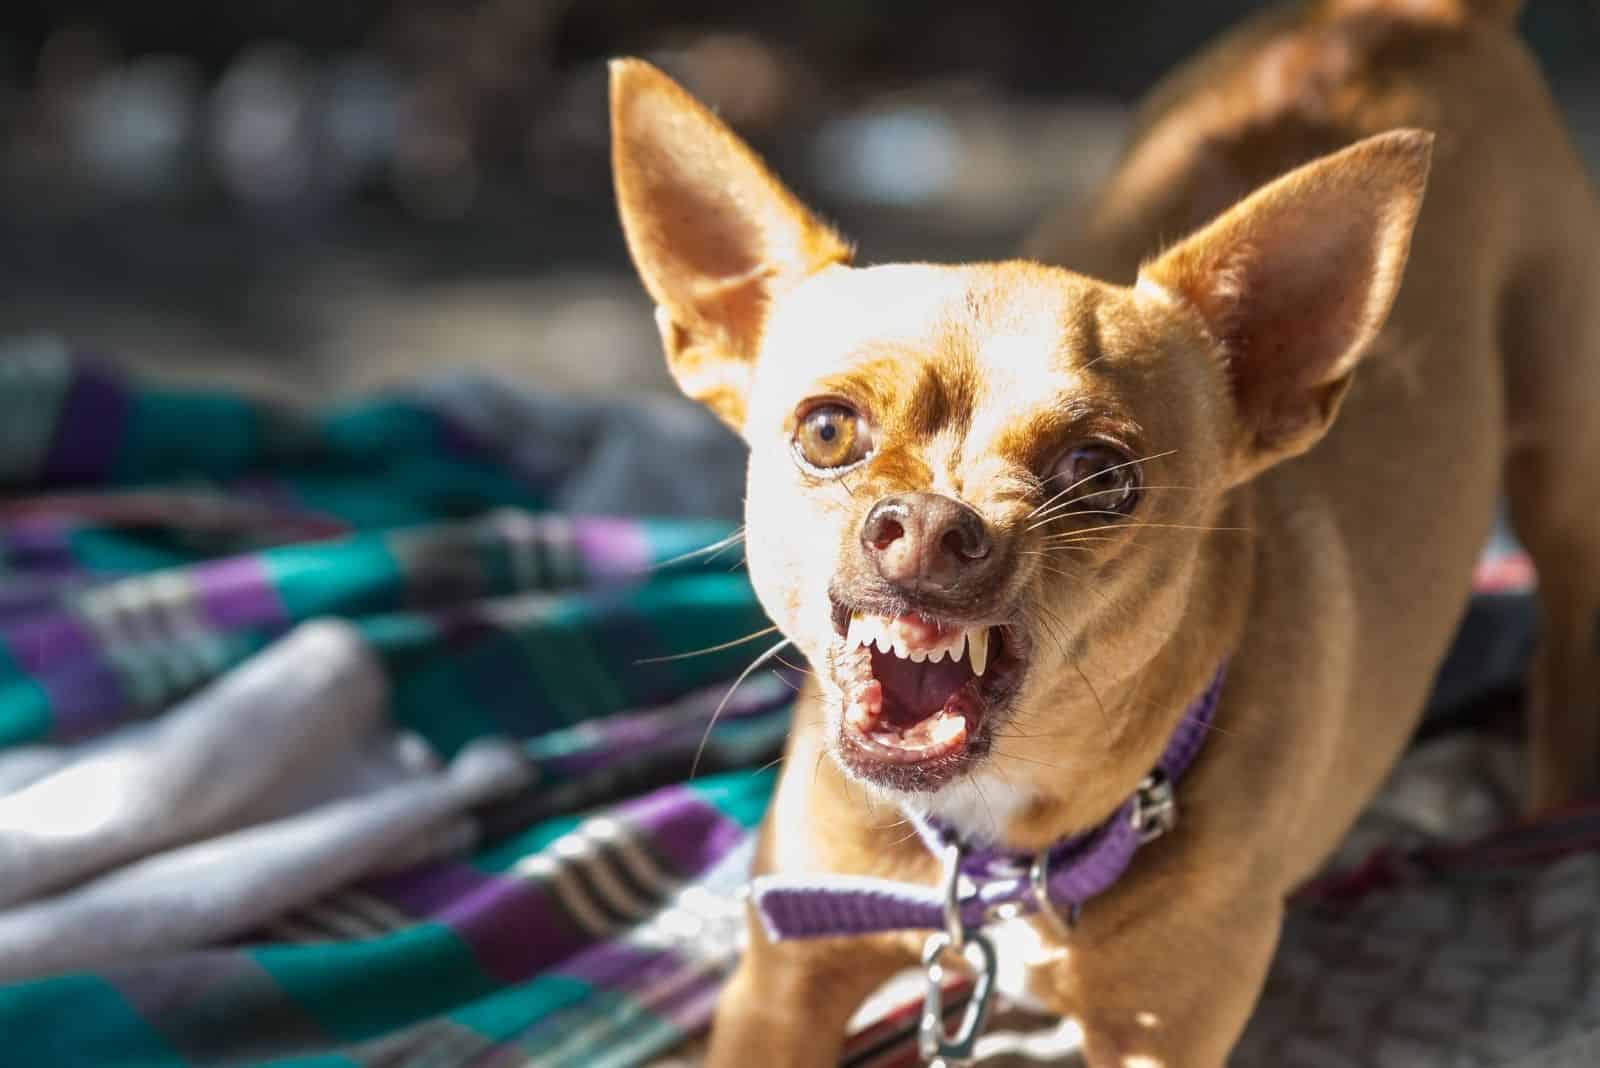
(911,691)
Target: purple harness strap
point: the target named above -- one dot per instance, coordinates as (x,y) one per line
(1000,883)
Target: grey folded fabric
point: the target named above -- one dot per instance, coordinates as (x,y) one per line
(232,884)
(276,784)
(267,727)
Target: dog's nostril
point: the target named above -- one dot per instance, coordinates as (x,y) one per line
(887,532)
(967,540)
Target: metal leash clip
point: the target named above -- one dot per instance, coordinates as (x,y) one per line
(940,1048)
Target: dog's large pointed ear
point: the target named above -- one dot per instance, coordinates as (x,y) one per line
(714,235)
(1294,282)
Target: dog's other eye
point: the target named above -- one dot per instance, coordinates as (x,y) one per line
(831,436)
(1098,479)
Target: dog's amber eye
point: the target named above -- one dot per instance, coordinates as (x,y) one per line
(832,436)
(1096,480)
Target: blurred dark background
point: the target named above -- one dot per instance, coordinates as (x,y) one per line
(315,197)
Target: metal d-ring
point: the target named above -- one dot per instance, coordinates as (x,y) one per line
(950,883)
(1039,883)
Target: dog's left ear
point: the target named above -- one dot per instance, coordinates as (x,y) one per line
(1294,283)
(714,235)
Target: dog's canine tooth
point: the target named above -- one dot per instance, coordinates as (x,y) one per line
(978,640)
(852,633)
(883,642)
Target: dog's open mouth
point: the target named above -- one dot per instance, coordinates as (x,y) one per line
(920,694)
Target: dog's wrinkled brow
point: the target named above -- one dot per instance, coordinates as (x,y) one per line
(909,396)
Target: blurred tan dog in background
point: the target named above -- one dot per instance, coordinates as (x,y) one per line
(1017,517)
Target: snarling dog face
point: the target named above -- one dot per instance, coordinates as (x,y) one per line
(979,494)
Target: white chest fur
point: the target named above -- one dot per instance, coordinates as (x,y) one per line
(977,807)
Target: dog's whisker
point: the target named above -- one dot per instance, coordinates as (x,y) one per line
(1055,570)
(1104,513)
(1045,513)
(707,650)
(1099,704)
(738,682)
(784,679)
(1159,526)
(994,824)
(714,548)
(1097,474)
(796,667)
(1029,760)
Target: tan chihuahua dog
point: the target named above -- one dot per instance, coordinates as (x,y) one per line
(1018,518)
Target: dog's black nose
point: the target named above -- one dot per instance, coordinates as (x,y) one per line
(925,542)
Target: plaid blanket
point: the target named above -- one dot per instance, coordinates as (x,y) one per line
(152,540)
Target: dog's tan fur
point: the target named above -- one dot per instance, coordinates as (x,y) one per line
(1329,558)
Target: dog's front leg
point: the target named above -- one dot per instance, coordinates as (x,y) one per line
(789,1003)
(1164,975)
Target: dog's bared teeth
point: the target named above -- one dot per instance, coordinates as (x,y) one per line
(899,645)
(978,641)
(864,711)
(852,633)
(937,655)
(917,656)
(883,642)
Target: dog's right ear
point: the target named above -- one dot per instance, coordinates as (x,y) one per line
(1294,283)
(714,235)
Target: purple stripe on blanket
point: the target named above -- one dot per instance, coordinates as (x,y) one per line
(515,926)
(237,593)
(48,640)
(39,545)
(604,742)
(688,1007)
(620,965)
(64,658)
(430,890)
(657,981)
(89,431)
(661,982)
(684,830)
(85,699)
(611,548)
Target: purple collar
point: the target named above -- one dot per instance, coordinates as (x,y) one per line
(988,884)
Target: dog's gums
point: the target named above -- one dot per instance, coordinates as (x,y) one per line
(919,696)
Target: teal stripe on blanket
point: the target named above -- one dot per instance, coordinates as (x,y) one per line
(165,425)
(77,1021)
(358,990)
(24,704)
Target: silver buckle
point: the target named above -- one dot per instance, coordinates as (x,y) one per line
(1155,807)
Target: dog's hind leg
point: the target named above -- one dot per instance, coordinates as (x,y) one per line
(1551,339)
